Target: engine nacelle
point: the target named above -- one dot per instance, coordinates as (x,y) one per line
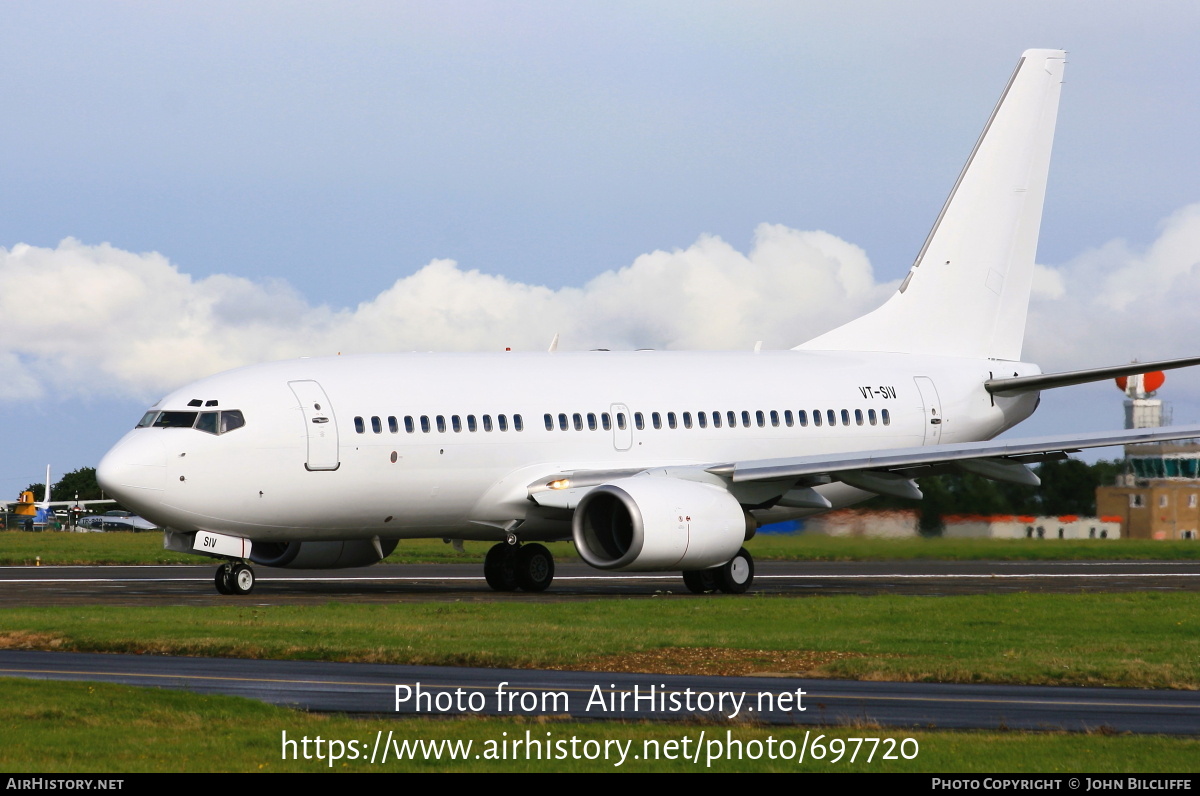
(651,523)
(319,555)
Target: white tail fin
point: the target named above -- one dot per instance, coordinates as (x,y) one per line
(967,294)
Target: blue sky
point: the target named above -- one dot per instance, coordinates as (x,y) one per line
(288,172)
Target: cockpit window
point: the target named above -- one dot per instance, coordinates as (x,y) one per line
(231,419)
(175,420)
(207,422)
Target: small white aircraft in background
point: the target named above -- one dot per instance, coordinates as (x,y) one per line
(648,460)
(42,513)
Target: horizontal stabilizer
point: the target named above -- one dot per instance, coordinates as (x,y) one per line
(1006,388)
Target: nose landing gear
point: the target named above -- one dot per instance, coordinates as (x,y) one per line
(234,578)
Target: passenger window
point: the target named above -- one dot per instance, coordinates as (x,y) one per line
(802,416)
(845,417)
(671,420)
(639,421)
(774,418)
(858,416)
(232,419)
(745,419)
(871,416)
(577,420)
(376,425)
(606,421)
(502,422)
(591,421)
(885,416)
(621,420)
(518,423)
(207,422)
(441,424)
(732,418)
(408,424)
(359,426)
(487,422)
(472,426)
(549,418)
(831,416)
(787,417)
(562,422)
(425,423)
(716,419)
(761,418)
(817,417)
(393,426)
(703,418)
(687,419)
(657,419)
(456,424)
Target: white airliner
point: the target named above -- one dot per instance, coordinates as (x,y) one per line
(649,460)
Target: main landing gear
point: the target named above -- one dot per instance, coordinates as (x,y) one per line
(508,567)
(732,577)
(234,578)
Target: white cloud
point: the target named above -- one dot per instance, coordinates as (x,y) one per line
(85,319)
(82,319)
(1117,302)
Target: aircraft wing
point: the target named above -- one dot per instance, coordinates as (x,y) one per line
(1014,451)
(885,472)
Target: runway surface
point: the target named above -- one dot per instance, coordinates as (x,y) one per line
(387,583)
(358,688)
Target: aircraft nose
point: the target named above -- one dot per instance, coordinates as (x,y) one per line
(135,471)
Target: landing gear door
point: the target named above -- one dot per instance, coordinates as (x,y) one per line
(319,425)
(622,426)
(932,409)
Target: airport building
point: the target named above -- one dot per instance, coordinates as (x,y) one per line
(903,524)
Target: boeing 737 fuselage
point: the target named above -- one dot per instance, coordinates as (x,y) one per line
(648,460)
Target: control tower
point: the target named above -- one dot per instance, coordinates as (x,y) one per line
(1158,494)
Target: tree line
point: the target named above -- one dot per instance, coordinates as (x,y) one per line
(1068,487)
(79,483)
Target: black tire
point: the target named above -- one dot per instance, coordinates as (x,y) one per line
(535,568)
(500,567)
(736,574)
(241,579)
(222,579)
(700,581)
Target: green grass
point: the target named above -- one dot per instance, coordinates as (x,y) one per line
(19,548)
(1147,640)
(805,547)
(59,727)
